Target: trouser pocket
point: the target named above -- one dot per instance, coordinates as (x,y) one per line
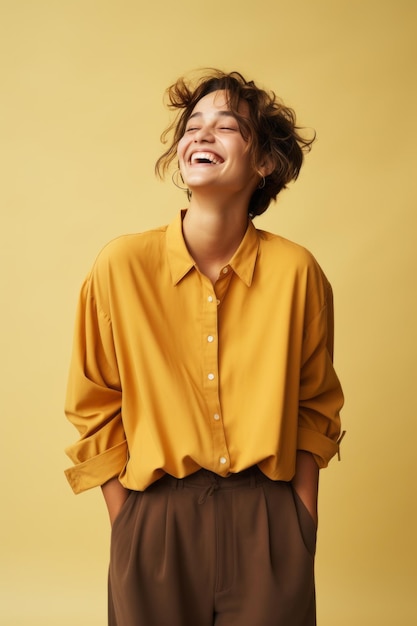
(307,525)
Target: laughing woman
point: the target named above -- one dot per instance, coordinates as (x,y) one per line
(202,382)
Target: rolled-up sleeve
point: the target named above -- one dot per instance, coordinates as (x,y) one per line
(320,396)
(93,400)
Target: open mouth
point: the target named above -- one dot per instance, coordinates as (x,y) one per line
(206,157)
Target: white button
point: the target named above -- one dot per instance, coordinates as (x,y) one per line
(225,270)
(210,298)
(223,460)
(210,338)
(216,417)
(210,376)
(218,302)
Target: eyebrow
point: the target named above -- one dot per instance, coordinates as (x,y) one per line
(219,114)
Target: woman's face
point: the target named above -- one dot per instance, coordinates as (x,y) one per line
(212,153)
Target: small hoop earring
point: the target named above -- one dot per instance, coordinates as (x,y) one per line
(174,178)
(262,183)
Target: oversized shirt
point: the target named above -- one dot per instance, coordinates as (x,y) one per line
(171,374)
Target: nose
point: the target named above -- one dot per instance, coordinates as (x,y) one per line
(204,134)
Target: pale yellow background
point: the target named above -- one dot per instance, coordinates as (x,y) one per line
(81,113)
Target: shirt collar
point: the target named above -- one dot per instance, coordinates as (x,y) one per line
(244,259)
(179,259)
(181,262)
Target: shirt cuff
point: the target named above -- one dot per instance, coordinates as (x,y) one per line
(321,447)
(97,470)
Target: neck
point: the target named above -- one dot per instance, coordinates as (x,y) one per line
(213,233)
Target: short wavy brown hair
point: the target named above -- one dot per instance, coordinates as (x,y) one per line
(270,130)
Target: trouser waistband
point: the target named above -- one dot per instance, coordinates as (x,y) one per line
(250,476)
(210,482)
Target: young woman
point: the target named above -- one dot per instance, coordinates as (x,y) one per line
(202,382)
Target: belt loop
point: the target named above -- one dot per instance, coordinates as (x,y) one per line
(177,484)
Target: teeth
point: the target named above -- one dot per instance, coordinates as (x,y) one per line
(204,157)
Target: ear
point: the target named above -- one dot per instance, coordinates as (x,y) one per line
(266,167)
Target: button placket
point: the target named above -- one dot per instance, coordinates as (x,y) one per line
(209,346)
(211,381)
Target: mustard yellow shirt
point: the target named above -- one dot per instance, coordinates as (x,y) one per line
(171,373)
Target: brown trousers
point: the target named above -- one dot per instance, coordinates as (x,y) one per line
(205,551)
